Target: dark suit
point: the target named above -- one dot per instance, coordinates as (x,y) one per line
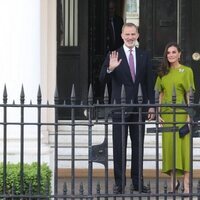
(122,76)
(117,28)
(113,42)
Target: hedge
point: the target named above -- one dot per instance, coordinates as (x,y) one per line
(30,178)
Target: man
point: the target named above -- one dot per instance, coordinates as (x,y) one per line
(114,28)
(117,66)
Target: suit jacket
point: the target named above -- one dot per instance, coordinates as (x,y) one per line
(118,23)
(122,76)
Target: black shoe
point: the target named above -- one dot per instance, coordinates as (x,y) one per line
(144,189)
(117,190)
(177,185)
(176,188)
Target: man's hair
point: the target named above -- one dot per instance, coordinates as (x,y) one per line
(129,24)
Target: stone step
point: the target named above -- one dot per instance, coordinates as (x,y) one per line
(98,135)
(30,150)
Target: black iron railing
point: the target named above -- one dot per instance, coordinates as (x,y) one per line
(66,135)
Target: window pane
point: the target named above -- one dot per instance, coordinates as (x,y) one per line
(69,23)
(132,11)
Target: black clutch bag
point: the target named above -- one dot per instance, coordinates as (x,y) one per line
(184,130)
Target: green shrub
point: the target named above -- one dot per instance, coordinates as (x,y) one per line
(30,178)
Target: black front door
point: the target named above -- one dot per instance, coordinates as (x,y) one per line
(194,55)
(72,52)
(97,48)
(195,45)
(158,26)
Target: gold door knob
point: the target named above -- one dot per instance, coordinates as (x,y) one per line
(196,56)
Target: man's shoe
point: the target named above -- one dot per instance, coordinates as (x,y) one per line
(144,189)
(117,190)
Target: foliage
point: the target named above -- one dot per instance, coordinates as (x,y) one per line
(30,179)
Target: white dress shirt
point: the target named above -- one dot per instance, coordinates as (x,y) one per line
(127,52)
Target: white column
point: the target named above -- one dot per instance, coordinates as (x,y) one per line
(48,50)
(28,57)
(20,47)
(48,47)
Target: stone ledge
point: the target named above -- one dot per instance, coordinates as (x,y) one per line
(100,173)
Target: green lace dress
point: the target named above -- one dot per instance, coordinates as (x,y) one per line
(182,80)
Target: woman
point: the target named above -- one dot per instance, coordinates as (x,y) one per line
(173,75)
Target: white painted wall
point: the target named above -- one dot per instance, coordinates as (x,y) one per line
(20,47)
(28,47)
(28,57)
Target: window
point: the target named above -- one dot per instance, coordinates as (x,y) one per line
(68,22)
(132,11)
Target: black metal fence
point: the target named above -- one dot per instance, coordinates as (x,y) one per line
(65,143)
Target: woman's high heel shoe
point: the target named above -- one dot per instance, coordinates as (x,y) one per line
(176,188)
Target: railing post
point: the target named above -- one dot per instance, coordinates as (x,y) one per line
(157,110)
(5,98)
(22,99)
(73,99)
(123,137)
(191,102)
(106,101)
(140,127)
(90,165)
(174,138)
(39,100)
(56,101)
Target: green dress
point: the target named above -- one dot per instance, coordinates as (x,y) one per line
(181,79)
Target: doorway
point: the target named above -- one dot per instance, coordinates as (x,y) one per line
(72,53)
(159,22)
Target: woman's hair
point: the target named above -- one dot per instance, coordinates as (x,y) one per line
(165,65)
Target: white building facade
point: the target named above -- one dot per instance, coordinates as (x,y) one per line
(28,57)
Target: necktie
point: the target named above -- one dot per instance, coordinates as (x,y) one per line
(131,65)
(112,33)
(113,29)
